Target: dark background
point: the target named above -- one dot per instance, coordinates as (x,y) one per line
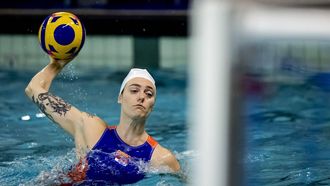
(101,17)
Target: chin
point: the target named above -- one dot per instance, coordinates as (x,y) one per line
(139,116)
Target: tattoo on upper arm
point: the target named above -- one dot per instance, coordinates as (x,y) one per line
(51,102)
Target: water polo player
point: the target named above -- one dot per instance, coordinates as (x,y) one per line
(111,154)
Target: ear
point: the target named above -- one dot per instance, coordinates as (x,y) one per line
(120,98)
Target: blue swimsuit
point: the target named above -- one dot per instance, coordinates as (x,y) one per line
(113,161)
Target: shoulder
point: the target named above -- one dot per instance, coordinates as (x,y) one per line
(90,120)
(93,122)
(162,157)
(92,128)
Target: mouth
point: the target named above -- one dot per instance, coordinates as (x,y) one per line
(140,106)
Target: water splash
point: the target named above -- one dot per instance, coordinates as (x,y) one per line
(69,73)
(53,170)
(78,94)
(165,175)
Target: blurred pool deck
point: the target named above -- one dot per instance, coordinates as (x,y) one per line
(23,52)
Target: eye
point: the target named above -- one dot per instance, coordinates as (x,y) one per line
(134,90)
(149,93)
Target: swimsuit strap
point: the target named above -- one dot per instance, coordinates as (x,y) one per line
(152,142)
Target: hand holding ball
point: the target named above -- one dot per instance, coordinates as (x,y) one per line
(61,36)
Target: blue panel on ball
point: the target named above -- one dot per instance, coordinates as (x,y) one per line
(82,39)
(64,34)
(42,36)
(55,19)
(71,51)
(74,20)
(51,47)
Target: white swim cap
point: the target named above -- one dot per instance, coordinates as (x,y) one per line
(134,73)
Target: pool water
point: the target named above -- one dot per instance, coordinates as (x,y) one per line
(287,135)
(287,128)
(34,151)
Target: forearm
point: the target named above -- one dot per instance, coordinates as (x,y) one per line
(54,107)
(44,78)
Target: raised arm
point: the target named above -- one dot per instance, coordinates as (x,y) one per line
(55,108)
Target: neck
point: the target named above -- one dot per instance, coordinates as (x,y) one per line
(132,130)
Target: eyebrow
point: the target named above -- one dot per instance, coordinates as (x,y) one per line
(137,85)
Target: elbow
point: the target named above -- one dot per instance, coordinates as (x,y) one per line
(173,164)
(176,167)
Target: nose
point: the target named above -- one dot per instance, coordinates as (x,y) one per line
(141,96)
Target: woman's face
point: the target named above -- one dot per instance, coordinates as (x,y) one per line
(138,98)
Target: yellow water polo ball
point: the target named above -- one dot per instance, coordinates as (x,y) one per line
(62,35)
